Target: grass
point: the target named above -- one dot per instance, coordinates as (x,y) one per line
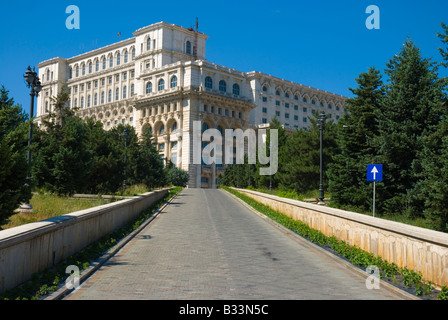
(46,206)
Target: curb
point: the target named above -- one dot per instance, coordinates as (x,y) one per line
(296,237)
(64,291)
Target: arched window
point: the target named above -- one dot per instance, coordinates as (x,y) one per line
(220,129)
(132,89)
(208,83)
(148,44)
(90,67)
(118,59)
(149,87)
(109,96)
(125,89)
(102,97)
(174,129)
(70,73)
(76,103)
(125,57)
(277,92)
(111,61)
(222,86)
(133,53)
(83,69)
(117,94)
(82,102)
(88,101)
(265,88)
(204,127)
(104,63)
(162,129)
(95,99)
(161,85)
(188,47)
(97,65)
(48,75)
(77,71)
(173,82)
(236,89)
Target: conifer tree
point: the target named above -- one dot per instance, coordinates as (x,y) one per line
(356,132)
(410,111)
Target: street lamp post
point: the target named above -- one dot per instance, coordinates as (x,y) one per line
(321,125)
(126,137)
(34,84)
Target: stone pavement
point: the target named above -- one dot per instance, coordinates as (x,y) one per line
(207,245)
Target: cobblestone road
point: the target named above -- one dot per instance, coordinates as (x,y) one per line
(207,245)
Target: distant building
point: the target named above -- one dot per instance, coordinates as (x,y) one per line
(159,80)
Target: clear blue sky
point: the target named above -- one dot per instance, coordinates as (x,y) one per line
(322,43)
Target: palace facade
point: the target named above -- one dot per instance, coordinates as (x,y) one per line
(160,80)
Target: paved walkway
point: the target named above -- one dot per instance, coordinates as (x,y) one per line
(207,245)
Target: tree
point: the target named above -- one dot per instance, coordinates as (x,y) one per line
(300,157)
(149,164)
(410,111)
(63,161)
(178,177)
(13,147)
(432,187)
(357,131)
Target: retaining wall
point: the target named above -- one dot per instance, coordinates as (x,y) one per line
(416,248)
(36,246)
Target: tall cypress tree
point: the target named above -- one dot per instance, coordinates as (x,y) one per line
(410,111)
(356,133)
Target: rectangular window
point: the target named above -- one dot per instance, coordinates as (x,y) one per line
(287,115)
(296,107)
(265,110)
(277,103)
(277,113)
(287,105)
(265,99)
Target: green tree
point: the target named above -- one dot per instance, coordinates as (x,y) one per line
(177,177)
(13,161)
(300,157)
(432,187)
(357,131)
(63,161)
(410,111)
(149,164)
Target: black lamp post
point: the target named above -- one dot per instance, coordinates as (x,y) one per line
(34,84)
(126,137)
(321,125)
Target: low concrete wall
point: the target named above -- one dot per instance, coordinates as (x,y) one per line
(34,247)
(416,248)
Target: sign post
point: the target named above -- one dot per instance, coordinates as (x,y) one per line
(374,173)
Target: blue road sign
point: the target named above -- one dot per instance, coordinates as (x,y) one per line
(374,172)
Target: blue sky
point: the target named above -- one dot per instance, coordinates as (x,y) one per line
(322,43)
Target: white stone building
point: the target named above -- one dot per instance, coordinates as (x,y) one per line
(160,80)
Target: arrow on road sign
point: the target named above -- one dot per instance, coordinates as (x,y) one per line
(374,171)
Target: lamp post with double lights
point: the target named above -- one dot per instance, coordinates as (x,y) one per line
(35,86)
(321,126)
